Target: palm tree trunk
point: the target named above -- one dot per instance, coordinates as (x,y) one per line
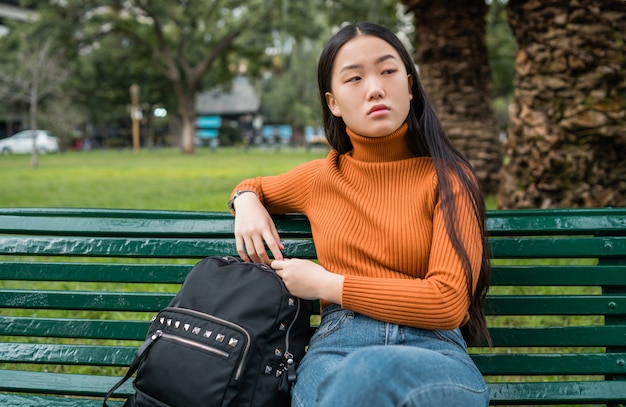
(567,135)
(454,69)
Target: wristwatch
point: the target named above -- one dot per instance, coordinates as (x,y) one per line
(231,203)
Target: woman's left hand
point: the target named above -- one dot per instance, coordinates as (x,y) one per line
(309,280)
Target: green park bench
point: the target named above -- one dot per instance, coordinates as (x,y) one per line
(79,286)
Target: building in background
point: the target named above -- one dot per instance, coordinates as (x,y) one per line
(236,110)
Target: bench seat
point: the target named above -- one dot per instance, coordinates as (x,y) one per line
(78,287)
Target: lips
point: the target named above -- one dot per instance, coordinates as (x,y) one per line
(377,108)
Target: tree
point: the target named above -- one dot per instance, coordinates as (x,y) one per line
(382,12)
(566,139)
(102,80)
(289,95)
(34,73)
(454,70)
(192,41)
(502,47)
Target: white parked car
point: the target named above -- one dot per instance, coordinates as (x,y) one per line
(22,143)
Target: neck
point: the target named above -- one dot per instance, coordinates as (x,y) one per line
(391,147)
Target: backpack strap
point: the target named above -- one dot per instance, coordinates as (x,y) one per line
(140,354)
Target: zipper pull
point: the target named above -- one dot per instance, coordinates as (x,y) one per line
(282,379)
(147,343)
(291,369)
(286,373)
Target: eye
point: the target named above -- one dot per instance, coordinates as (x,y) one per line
(389,71)
(353,79)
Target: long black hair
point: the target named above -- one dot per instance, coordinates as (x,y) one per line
(425,137)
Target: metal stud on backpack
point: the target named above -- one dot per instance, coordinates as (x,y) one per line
(232,336)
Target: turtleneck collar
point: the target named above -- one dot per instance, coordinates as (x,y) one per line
(392,147)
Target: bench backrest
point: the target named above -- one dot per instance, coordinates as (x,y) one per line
(78,287)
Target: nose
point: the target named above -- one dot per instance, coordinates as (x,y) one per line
(375,89)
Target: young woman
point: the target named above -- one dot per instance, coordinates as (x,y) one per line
(398,223)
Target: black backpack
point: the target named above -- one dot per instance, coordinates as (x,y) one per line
(232,336)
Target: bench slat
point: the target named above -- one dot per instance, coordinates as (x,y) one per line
(60,383)
(218,226)
(84,300)
(556,305)
(527,275)
(125,222)
(153,302)
(509,222)
(18,400)
(136,247)
(94,272)
(558,336)
(559,276)
(551,364)
(558,392)
(491,364)
(73,328)
(521,248)
(114,247)
(574,336)
(108,213)
(545,247)
(105,355)
(556,221)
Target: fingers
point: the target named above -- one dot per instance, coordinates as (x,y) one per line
(241,248)
(278,266)
(254,247)
(255,231)
(274,243)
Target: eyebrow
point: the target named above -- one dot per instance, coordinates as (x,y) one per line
(378,61)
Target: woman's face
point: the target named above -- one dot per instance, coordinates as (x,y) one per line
(371,89)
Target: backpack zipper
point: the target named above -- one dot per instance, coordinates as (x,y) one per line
(240,329)
(194,344)
(293,321)
(291,368)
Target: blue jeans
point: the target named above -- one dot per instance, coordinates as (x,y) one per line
(354,360)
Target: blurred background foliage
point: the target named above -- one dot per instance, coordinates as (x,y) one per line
(174,50)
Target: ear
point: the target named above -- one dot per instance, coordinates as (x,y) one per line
(331,102)
(410,80)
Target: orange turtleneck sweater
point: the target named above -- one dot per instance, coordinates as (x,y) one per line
(376,219)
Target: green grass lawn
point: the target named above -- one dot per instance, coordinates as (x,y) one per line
(148,179)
